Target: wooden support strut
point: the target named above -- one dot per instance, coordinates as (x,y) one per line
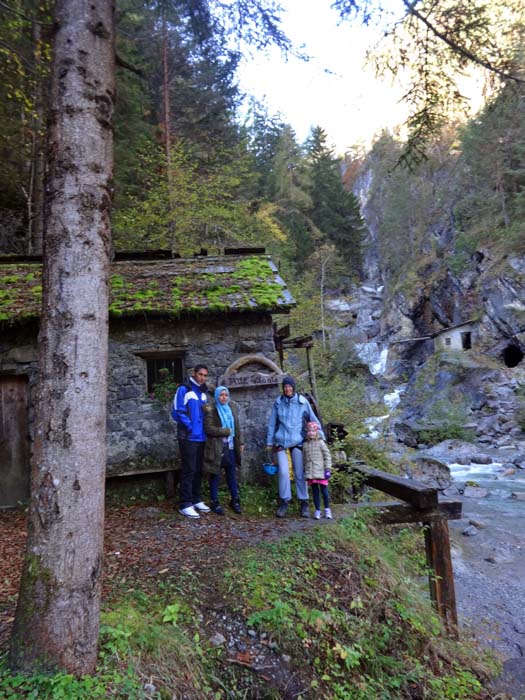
(422,505)
(442,591)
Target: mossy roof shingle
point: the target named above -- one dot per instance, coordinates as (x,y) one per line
(185,286)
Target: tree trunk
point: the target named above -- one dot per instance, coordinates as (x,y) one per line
(36,188)
(57,617)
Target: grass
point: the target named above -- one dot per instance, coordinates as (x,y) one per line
(338,611)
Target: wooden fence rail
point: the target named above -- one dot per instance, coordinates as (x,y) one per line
(419,504)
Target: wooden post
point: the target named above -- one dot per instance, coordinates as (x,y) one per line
(311,372)
(442,593)
(170,484)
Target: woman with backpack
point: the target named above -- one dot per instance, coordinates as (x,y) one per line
(290,415)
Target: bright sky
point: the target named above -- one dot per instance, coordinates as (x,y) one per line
(333,90)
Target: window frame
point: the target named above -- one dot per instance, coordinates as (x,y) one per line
(154,358)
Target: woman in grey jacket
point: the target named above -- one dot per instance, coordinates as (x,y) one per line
(286,432)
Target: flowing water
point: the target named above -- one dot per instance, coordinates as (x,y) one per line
(488,552)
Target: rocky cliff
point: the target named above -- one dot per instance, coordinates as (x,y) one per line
(398,327)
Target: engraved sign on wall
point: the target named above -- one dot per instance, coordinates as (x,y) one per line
(252,379)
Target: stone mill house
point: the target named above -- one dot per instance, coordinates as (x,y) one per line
(165,314)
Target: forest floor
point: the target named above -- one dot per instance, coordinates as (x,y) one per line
(148,541)
(144,542)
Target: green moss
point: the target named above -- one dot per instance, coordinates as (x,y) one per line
(9,279)
(266,294)
(253,270)
(190,286)
(117,282)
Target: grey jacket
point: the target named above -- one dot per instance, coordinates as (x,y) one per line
(316,458)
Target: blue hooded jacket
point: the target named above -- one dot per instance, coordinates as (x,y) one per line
(287,426)
(187,411)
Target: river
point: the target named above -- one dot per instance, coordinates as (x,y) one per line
(489,563)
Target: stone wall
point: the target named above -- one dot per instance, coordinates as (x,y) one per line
(141,434)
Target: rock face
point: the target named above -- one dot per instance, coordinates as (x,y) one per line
(476,393)
(457,395)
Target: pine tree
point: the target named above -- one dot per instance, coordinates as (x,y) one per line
(334,210)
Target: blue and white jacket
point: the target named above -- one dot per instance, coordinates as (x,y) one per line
(287,426)
(187,411)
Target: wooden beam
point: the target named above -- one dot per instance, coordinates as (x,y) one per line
(414,492)
(392,512)
(311,375)
(442,592)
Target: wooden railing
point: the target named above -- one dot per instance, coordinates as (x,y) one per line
(418,503)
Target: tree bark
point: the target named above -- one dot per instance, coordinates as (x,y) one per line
(57,617)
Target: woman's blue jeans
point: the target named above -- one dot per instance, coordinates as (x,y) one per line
(228,464)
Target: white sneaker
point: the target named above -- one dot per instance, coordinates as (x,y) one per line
(189,512)
(328,513)
(202,507)
(317,515)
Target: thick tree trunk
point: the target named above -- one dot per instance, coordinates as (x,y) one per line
(57,617)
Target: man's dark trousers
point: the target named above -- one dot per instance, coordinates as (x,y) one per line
(191,456)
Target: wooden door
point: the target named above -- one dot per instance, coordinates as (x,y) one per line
(14,441)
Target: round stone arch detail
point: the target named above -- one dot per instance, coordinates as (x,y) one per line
(231,379)
(253,359)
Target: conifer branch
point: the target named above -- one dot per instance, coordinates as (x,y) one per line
(457,48)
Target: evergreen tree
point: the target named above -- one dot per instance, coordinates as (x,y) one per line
(57,617)
(24,67)
(289,189)
(493,157)
(264,132)
(334,210)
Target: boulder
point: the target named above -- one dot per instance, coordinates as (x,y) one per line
(481,459)
(475,492)
(477,524)
(431,471)
(406,434)
(470,531)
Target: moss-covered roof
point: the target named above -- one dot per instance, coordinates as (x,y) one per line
(221,284)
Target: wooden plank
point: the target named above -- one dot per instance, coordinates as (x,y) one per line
(442,592)
(392,512)
(170,484)
(14,440)
(414,492)
(138,472)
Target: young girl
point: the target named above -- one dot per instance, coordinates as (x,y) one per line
(317,465)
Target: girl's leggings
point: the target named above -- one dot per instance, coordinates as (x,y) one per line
(317,490)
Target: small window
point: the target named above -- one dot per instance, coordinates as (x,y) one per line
(448,341)
(173,364)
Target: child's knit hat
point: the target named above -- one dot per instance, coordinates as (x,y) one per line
(312,429)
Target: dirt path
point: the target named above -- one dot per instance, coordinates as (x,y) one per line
(143,541)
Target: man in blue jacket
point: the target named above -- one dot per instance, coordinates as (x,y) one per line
(187,411)
(286,432)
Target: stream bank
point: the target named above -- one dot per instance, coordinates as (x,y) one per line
(488,547)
